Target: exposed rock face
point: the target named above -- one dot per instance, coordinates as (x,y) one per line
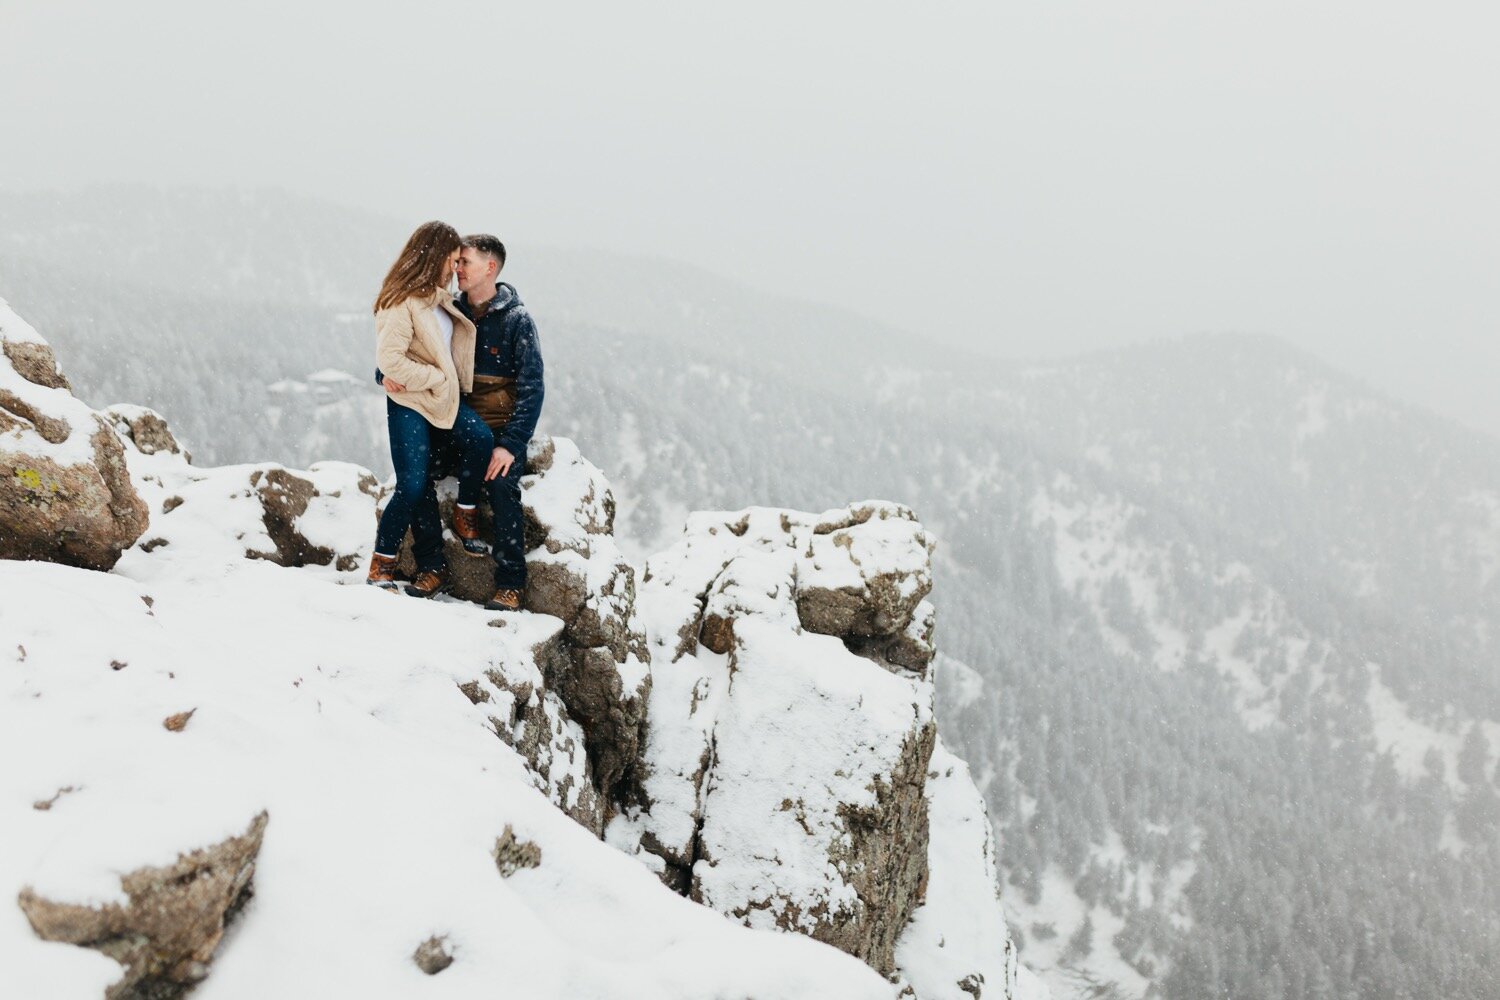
(166,935)
(65,492)
(285,499)
(575,572)
(144,428)
(957,946)
(534,721)
(813,817)
(33,360)
(863,572)
(786,769)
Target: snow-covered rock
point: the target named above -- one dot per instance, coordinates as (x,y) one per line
(575,573)
(65,493)
(813,817)
(786,769)
(323,516)
(144,428)
(166,933)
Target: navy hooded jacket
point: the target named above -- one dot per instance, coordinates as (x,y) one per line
(507,346)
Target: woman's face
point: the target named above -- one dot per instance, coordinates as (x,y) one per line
(448,266)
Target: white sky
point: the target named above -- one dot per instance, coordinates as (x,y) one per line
(1025,177)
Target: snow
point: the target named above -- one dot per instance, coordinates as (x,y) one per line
(960,929)
(958,682)
(1408,739)
(337,710)
(1061,910)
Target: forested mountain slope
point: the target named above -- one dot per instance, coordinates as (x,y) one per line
(1229,618)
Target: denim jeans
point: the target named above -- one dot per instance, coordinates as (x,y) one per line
(509,548)
(472,443)
(414,503)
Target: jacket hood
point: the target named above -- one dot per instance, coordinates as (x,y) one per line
(505,297)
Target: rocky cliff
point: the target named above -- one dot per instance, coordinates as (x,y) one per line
(244,774)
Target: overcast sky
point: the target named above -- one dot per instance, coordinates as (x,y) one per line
(1029,177)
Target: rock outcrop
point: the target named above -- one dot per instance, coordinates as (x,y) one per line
(788,750)
(526,714)
(65,492)
(146,429)
(166,933)
(575,572)
(323,516)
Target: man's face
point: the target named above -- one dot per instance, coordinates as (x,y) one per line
(476,272)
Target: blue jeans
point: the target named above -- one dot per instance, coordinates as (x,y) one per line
(509,548)
(414,503)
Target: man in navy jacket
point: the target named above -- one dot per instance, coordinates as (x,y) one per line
(508,393)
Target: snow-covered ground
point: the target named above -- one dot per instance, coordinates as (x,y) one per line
(336,709)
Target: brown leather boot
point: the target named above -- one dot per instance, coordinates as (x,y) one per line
(466,527)
(428,583)
(505,599)
(382,572)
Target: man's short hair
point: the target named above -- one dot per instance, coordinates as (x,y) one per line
(487,244)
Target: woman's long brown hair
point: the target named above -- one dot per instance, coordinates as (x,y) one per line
(419,269)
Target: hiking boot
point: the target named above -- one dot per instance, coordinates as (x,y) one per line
(505,599)
(466,527)
(382,572)
(428,583)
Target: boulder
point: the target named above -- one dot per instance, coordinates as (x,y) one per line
(145,429)
(305,522)
(65,490)
(864,571)
(784,768)
(166,933)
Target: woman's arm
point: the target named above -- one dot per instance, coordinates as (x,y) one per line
(393,333)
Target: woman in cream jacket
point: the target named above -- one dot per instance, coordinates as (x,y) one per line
(425,352)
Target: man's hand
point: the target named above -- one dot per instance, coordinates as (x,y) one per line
(391,385)
(500,463)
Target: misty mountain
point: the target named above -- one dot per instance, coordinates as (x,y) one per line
(1221,621)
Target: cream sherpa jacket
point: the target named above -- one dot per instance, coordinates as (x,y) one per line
(409,349)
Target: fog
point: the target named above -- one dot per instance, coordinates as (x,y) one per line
(1026,178)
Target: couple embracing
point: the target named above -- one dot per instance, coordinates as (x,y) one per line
(463,382)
